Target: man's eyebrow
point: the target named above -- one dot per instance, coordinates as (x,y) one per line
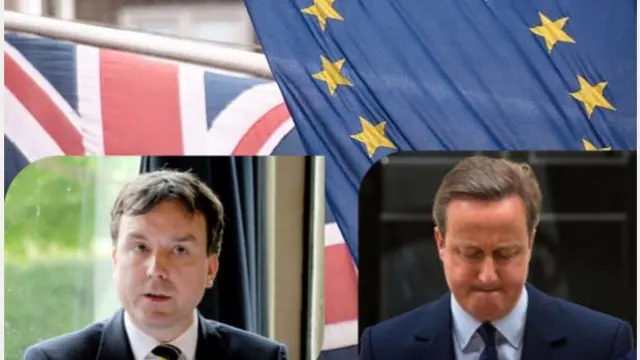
(179,239)
(135,235)
(508,247)
(468,245)
(186,238)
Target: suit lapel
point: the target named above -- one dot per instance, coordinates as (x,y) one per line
(544,332)
(114,344)
(210,341)
(434,341)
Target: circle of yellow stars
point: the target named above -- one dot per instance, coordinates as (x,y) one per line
(372,136)
(591,96)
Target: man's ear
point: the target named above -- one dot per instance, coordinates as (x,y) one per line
(212,270)
(533,236)
(439,238)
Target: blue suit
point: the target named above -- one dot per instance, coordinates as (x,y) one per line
(632,355)
(555,330)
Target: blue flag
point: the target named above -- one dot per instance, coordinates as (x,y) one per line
(366,78)
(363,79)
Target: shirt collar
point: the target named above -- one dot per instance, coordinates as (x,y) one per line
(510,327)
(142,344)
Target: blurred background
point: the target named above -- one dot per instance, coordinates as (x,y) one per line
(221,21)
(58,271)
(585,247)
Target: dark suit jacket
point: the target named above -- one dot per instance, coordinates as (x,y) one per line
(555,330)
(632,355)
(107,340)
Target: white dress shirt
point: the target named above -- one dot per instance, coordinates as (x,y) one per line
(142,344)
(509,332)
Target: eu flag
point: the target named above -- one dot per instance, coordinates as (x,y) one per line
(366,78)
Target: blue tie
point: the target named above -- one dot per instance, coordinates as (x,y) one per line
(488,334)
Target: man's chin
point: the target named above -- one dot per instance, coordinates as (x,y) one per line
(487,306)
(159,320)
(154,313)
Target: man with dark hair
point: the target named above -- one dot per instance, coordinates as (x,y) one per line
(166,228)
(486,212)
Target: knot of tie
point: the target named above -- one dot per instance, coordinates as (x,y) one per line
(488,334)
(167,352)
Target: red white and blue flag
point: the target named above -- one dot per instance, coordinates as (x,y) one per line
(63,98)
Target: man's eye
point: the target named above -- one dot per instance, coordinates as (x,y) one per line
(180,250)
(472,254)
(506,253)
(139,248)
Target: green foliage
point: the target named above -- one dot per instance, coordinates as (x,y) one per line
(45,300)
(55,210)
(50,205)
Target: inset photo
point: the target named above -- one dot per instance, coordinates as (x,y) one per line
(174,258)
(498,255)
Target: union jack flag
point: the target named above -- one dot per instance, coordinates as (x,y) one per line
(64,98)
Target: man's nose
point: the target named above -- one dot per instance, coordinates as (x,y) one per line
(488,273)
(157,265)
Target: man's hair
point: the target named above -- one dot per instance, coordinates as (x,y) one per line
(488,178)
(148,190)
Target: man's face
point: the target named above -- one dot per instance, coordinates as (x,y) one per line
(486,252)
(162,267)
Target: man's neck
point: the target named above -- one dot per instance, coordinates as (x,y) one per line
(165,335)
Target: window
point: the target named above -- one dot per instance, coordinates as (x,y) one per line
(58,270)
(166,26)
(217,22)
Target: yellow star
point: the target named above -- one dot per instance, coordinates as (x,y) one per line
(372,136)
(588,146)
(323,10)
(591,96)
(552,31)
(331,74)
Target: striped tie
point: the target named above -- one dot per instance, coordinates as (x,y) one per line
(166,352)
(488,334)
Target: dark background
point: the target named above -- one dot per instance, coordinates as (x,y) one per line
(585,248)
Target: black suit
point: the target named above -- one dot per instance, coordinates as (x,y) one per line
(107,340)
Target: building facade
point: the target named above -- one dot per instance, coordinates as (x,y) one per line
(222,21)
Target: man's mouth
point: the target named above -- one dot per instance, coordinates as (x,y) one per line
(487,290)
(156,297)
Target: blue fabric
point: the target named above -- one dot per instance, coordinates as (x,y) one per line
(488,334)
(14,162)
(447,75)
(243,175)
